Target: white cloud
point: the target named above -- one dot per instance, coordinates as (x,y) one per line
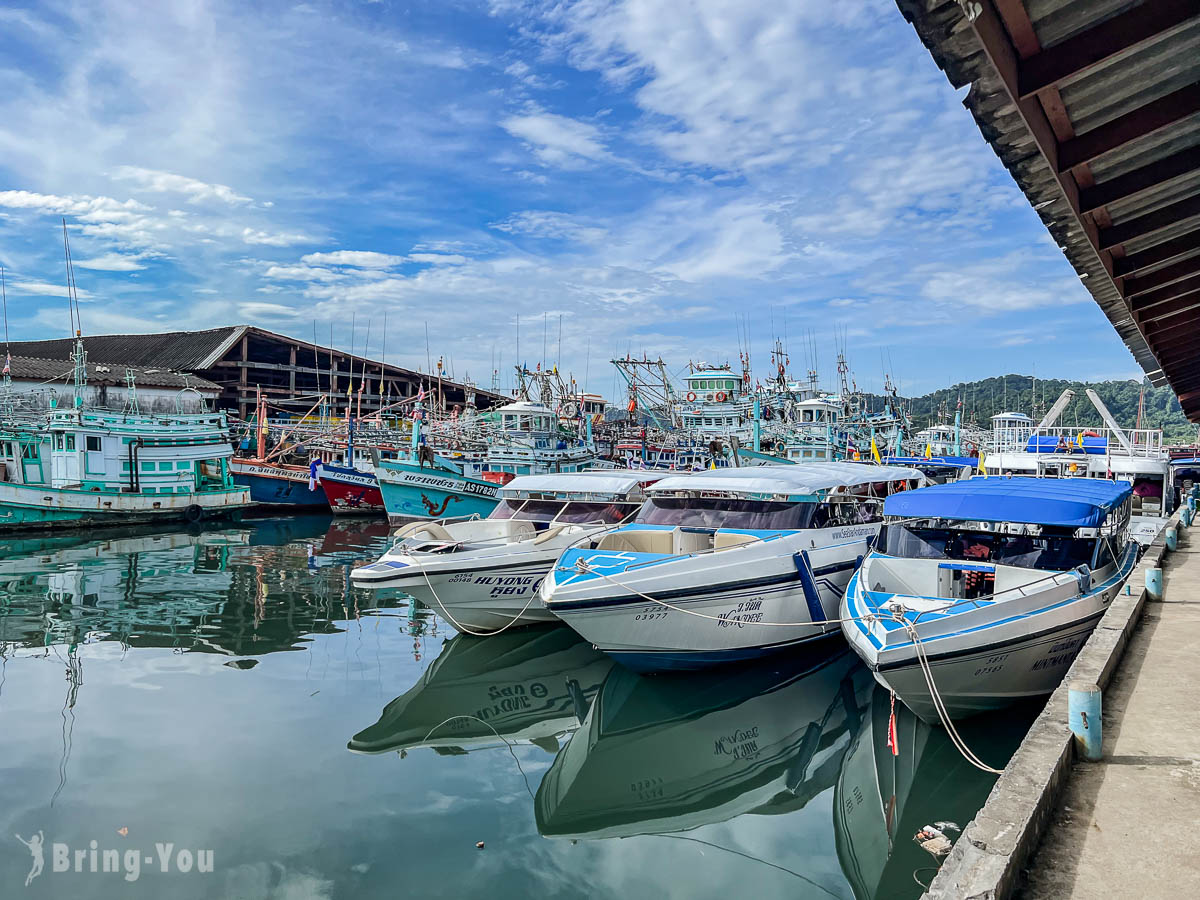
(113,262)
(438,259)
(43,289)
(363,259)
(165,182)
(557,140)
(303,273)
(555,225)
(274,239)
(256,310)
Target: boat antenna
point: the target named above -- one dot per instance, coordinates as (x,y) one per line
(72,291)
(7,398)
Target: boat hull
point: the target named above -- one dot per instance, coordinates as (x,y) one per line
(38,506)
(983,665)
(351,492)
(480,597)
(706,611)
(278,487)
(993,678)
(411,493)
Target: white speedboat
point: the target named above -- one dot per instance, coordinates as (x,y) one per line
(725,565)
(531,685)
(485,573)
(995,582)
(671,754)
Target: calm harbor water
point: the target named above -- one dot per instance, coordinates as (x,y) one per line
(227,693)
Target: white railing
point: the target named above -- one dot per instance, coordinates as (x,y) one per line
(1143,442)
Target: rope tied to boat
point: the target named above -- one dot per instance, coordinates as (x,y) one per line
(582,567)
(464,628)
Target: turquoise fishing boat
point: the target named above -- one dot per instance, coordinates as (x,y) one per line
(423,484)
(84,467)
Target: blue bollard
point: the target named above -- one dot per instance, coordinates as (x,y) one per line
(1154,583)
(1083,711)
(1172,537)
(1191,504)
(1185,516)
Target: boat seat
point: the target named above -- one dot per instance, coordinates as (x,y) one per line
(548,534)
(435,531)
(727,540)
(640,542)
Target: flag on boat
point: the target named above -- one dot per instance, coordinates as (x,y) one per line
(7,363)
(875,452)
(929,451)
(421,394)
(982,463)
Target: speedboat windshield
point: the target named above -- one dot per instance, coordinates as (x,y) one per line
(719,512)
(1054,552)
(574,512)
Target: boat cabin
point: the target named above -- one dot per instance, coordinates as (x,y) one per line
(603,497)
(974,539)
(109,452)
(726,508)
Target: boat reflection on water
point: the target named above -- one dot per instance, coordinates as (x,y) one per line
(670,753)
(235,591)
(882,800)
(529,685)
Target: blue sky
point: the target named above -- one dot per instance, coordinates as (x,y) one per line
(647,170)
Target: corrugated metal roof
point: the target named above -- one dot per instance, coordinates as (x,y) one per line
(25,368)
(1099,126)
(179,350)
(186,351)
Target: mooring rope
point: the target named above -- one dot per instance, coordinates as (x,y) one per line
(464,628)
(583,567)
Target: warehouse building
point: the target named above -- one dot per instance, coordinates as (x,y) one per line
(241,360)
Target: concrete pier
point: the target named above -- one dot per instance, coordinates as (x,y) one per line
(1057,826)
(1126,826)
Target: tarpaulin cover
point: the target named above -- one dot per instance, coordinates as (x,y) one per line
(1068,502)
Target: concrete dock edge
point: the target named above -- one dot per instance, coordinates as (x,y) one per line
(988,858)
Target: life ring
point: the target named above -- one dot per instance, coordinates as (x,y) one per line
(721,397)
(1089,433)
(691,396)
(193,514)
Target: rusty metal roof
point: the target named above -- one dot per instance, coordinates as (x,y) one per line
(179,350)
(187,351)
(1094,108)
(57,371)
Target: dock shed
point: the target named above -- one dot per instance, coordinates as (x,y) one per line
(1094,108)
(241,359)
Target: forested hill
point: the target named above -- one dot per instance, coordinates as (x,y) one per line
(1016,393)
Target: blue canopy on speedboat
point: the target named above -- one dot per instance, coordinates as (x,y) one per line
(1067,502)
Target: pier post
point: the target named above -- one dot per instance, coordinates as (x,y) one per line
(1185,515)
(1083,711)
(1172,537)
(1154,583)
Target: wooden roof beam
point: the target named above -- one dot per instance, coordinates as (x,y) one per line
(1148,301)
(1087,50)
(1140,180)
(1181,341)
(1159,253)
(1151,222)
(1134,124)
(1164,276)
(1185,348)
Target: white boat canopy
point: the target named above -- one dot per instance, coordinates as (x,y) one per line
(806,478)
(606,483)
